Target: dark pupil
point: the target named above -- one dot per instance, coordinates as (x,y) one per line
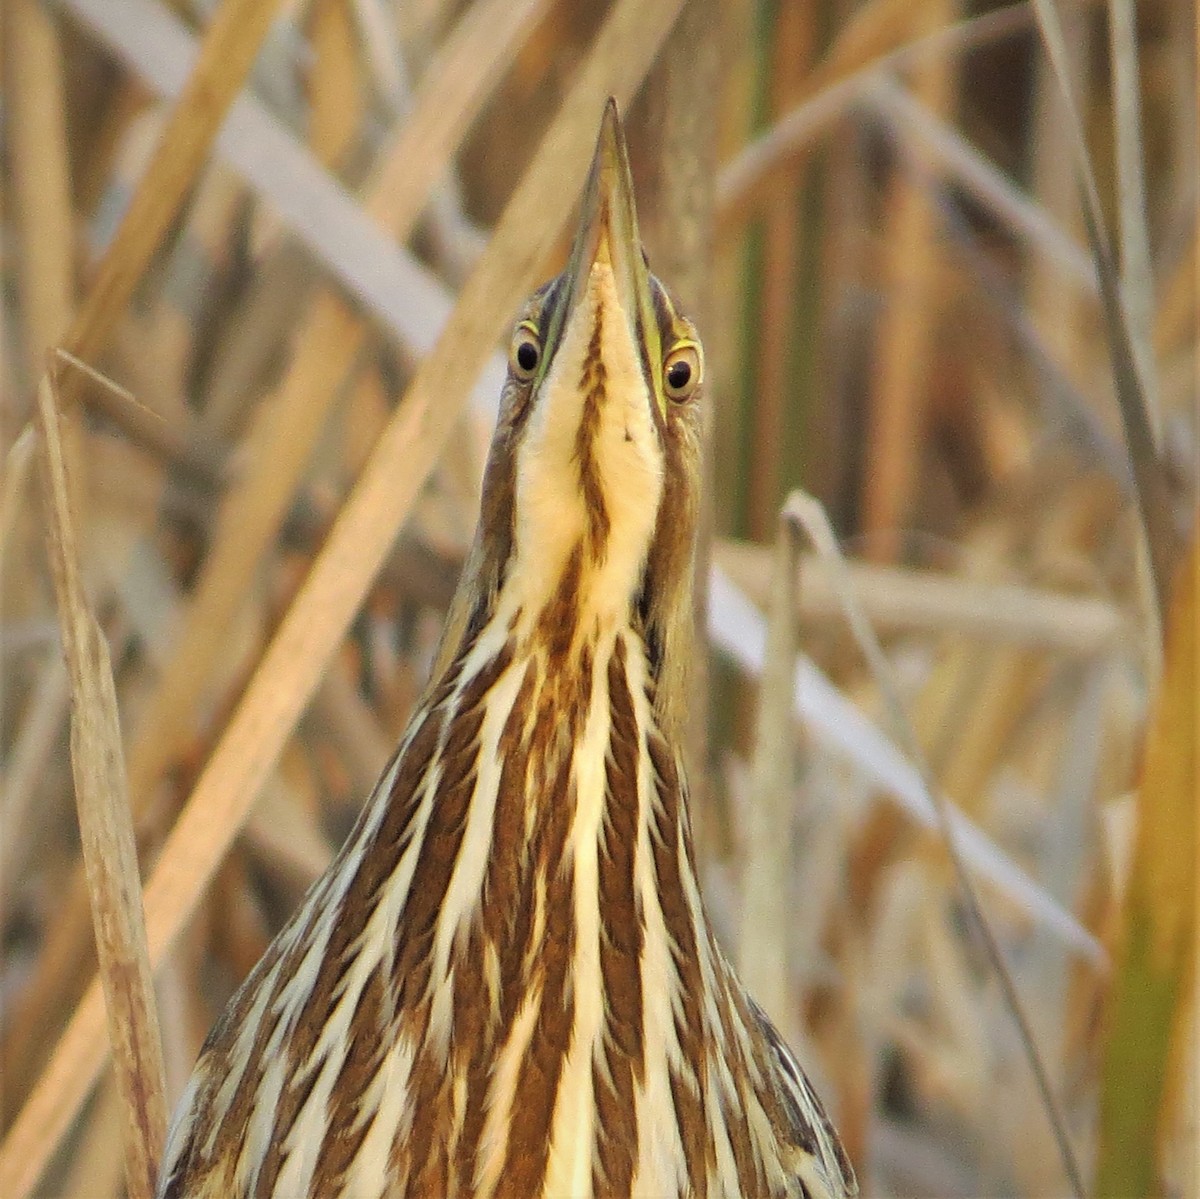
(678,374)
(527,355)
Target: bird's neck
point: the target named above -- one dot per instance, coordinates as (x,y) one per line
(560,804)
(569,758)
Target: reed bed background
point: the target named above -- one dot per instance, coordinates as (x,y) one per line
(252,477)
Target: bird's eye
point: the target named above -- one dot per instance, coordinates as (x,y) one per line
(682,370)
(525,352)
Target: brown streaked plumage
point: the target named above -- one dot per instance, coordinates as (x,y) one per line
(506,985)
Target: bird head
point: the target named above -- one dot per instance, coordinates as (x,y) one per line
(593,478)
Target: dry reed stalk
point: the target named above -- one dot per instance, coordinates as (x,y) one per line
(1063,760)
(287,834)
(1059,313)
(1137,278)
(904,355)
(619,58)
(877,953)
(41,190)
(185,1013)
(336,105)
(227,52)
(1175,320)
(159,347)
(904,599)
(777,394)
(18,465)
(54,985)
(1154,504)
(243,358)
(945,685)
(843,266)
(979,734)
(239,923)
(1135,315)
(768,891)
(285,428)
(380,46)
(106,831)
(1153,998)
(41,185)
(1075,758)
(363,744)
(869,33)
(97,156)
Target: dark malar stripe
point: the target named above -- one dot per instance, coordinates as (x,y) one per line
(621,936)
(558,620)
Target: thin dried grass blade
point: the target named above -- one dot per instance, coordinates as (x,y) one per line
(1154,504)
(144,426)
(316,622)
(767,890)
(1153,987)
(1137,277)
(810,516)
(106,830)
(904,340)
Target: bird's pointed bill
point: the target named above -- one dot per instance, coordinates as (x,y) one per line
(608,234)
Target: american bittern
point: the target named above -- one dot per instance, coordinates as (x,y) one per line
(506,984)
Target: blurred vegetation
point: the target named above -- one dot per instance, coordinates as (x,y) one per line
(873,210)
